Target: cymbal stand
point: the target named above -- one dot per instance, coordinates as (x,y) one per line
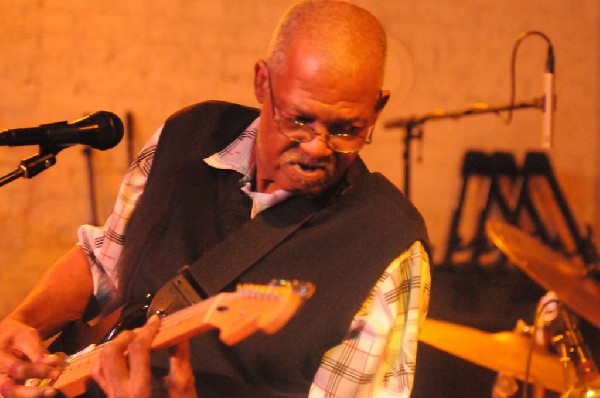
(413,125)
(572,347)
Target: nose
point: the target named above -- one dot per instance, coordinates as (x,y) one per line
(318,147)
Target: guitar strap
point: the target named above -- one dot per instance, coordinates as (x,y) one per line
(242,248)
(217,267)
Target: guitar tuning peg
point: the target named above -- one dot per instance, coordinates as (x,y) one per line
(303,289)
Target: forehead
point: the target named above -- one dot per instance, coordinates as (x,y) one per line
(310,84)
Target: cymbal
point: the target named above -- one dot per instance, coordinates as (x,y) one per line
(550,269)
(505,352)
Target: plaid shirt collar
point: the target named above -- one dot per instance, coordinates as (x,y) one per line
(239,156)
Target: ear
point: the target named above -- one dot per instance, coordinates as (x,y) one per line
(261,80)
(384,97)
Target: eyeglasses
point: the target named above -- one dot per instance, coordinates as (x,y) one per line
(340,137)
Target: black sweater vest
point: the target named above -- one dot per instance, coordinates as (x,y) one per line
(188,207)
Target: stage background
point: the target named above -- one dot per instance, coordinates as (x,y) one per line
(62,59)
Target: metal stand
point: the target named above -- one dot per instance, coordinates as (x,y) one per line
(32,166)
(413,126)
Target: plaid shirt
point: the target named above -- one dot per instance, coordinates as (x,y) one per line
(377,359)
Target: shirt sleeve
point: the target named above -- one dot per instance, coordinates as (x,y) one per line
(378,359)
(103,245)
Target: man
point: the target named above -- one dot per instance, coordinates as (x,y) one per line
(348,231)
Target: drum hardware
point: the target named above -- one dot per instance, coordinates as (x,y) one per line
(512,353)
(569,278)
(573,288)
(570,371)
(552,353)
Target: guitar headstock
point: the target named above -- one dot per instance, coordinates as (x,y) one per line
(259,307)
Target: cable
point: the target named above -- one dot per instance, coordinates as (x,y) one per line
(513,66)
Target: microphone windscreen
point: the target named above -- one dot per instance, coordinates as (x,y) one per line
(109,130)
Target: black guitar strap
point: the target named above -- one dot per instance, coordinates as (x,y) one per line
(221,265)
(227,260)
(217,267)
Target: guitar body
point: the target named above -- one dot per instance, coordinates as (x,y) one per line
(78,335)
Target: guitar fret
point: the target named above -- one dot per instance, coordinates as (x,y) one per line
(79,366)
(185,319)
(250,308)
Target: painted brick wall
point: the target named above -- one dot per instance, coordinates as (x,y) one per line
(62,59)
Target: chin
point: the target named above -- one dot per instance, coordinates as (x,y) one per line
(312,189)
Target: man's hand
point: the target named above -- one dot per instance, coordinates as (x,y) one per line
(180,381)
(23,356)
(123,367)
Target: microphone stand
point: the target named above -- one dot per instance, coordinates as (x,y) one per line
(33,165)
(413,125)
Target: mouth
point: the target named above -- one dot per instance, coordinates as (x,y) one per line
(308,167)
(308,170)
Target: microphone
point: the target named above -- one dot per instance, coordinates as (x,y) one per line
(549,100)
(101,130)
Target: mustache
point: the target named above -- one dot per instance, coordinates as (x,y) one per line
(297,157)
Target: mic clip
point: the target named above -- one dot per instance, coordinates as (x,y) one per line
(34,165)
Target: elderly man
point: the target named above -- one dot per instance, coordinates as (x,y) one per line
(215,170)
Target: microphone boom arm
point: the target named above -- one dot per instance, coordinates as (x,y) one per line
(476,109)
(414,125)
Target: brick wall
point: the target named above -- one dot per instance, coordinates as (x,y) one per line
(61,59)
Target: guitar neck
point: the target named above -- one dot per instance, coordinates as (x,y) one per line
(237,315)
(175,327)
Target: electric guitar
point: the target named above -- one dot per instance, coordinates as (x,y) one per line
(237,315)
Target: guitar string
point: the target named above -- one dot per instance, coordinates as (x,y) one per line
(77,363)
(82,362)
(166,322)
